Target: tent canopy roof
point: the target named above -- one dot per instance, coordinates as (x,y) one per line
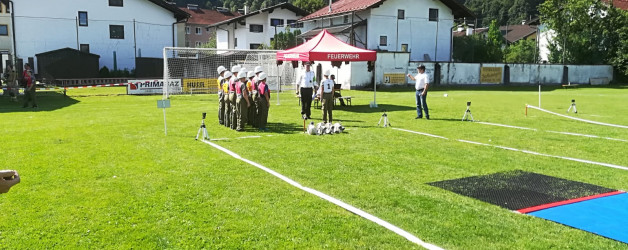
(326,47)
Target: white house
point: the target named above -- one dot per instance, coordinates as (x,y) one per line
(253,29)
(117,30)
(421,27)
(6,35)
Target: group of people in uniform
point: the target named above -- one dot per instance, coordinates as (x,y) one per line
(243,98)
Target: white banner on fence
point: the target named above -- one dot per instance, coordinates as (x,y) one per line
(152,87)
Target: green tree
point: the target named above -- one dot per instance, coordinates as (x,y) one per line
(523,51)
(587,32)
(309,5)
(285,39)
(494,41)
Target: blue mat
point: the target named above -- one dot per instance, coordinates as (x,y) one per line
(606,216)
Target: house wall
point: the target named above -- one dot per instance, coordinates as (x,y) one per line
(421,35)
(6,41)
(545,39)
(192,38)
(52,25)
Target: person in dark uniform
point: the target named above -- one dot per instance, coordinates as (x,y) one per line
(242,102)
(232,95)
(252,91)
(327,96)
(306,89)
(221,94)
(225,98)
(263,102)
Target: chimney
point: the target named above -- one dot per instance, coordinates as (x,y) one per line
(246,9)
(192,6)
(523,22)
(330,5)
(469,31)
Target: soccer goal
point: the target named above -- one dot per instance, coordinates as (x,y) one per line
(193,70)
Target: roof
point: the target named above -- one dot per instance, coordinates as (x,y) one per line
(178,14)
(326,47)
(66,49)
(464,32)
(285,5)
(207,17)
(514,33)
(345,6)
(620,4)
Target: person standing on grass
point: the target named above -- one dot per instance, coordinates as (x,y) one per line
(263,102)
(11,79)
(8,179)
(221,94)
(421,86)
(307,84)
(232,95)
(29,78)
(242,102)
(327,96)
(252,91)
(225,98)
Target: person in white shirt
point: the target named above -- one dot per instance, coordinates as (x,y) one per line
(306,85)
(421,86)
(327,96)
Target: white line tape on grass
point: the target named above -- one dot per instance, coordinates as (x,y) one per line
(578,119)
(333,200)
(421,133)
(526,151)
(590,136)
(546,155)
(503,125)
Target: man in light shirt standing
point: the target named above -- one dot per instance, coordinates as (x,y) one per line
(421,85)
(306,85)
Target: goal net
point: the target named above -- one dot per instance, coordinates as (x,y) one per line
(193,70)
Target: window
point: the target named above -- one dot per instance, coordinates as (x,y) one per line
(82,18)
(433,15)
(294,24)
(116,31)
(254,46)
(4,30)
(84,48)
(383,41)
(187,30)
(198,44)
(404,47)
(346,19)
(117,3)
(198,31)
(276,22)
(235,42)
(401,14)
(256,28)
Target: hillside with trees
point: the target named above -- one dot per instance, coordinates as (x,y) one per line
(234,5)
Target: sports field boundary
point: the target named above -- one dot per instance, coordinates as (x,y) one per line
(333,200)
(524,151)
(577,119)
(550,131)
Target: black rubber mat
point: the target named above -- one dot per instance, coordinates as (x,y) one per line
(518,189)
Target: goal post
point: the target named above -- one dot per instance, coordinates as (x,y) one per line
(193,70)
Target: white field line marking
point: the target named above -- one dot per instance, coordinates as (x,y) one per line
(333,200)
(528,152)
(590,136)
(243,137)
(578,119)
(421,133)
(546,155)
(507,126)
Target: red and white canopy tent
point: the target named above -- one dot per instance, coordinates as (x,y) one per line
(326,47)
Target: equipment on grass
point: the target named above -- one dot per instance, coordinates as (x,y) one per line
(385,119)
(338,128)
(573,105)
(203,129)
(311,129)
(468,112)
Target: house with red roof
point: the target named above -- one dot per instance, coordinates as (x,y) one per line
(194,32)
(421,27)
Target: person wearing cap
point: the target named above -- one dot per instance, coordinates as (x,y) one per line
(225,98)
(252,91)
(235,70)
(221,101)
(307,85)
(263,102)
(421,85)
(242,103)
(327,96)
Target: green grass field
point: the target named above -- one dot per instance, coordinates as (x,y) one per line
(98,172)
